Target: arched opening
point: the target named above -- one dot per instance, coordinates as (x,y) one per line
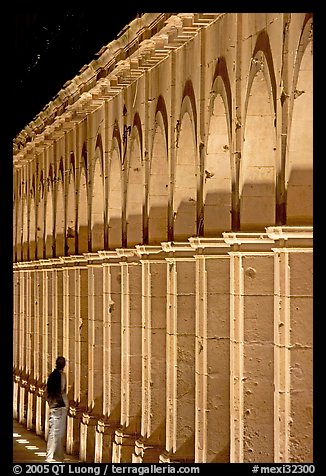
(49,224)
(257,172)
(32,228)
(40,221)
(71,215)
(135,193)
(158,190)
(19,231)
(25,231)
(115,202)
(299,171)
(97,204)
(60,220)
(217,174)
(82,213)
(185,184)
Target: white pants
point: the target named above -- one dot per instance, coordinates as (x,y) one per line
(57,431)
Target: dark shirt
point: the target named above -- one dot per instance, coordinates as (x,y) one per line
(53,390)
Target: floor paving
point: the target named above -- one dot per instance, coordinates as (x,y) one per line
(31,448)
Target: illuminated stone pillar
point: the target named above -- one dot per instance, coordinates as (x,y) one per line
(28,332)
(95,357)
(111,367)
(293,326)
(78,345)
(212,351)
(180,377)
(44,298)
(153,409)
(22,342)
(55,304)
(131,349)
(16,379)
(252,347)
(38,308)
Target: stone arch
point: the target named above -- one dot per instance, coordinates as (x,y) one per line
(70,207)
(115,195)
(49,216)
(135,187)
(60,212)
(186,171)
(299,163)
(32,221)
(40,219)
(82,210)
(158,193)
(25,229)
(217,185)
(257,181)
(97,199)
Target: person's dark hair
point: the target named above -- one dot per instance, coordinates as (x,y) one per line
(60,363)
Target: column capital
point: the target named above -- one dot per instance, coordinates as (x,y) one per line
(109,255)
(178,251)
(248,242)
(148,249)
(93,258)
(73,260)
(298,237)
(175,246)
(211,246)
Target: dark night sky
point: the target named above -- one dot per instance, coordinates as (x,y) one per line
(50,48)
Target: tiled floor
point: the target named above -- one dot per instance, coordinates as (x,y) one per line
(31,448)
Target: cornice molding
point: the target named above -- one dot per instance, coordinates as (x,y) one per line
(119,63)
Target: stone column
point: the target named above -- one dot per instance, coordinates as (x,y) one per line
(65,324)
(28,333)
(293,327)
(131,348)
(55,303)
(252,347)
(45,330)
(31,410)
(95,357)
(78,349)
(111,367)
(180,377)
(212,352)
(153,409)
(38,321)
(16,381)
(23,397)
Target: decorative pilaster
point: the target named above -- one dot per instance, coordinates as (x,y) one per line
(212,352)
(77,346)
(111,351)
(293,329)
(95,357)
(180,370)
(153,408)
(131,348)
(251,347)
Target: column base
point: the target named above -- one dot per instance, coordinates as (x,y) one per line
(31,408)
(174,458)
(15,401)
(40,421)
(123,447)
(87,438)
(22,412)
(144,452)
(73,430)
(104,436)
